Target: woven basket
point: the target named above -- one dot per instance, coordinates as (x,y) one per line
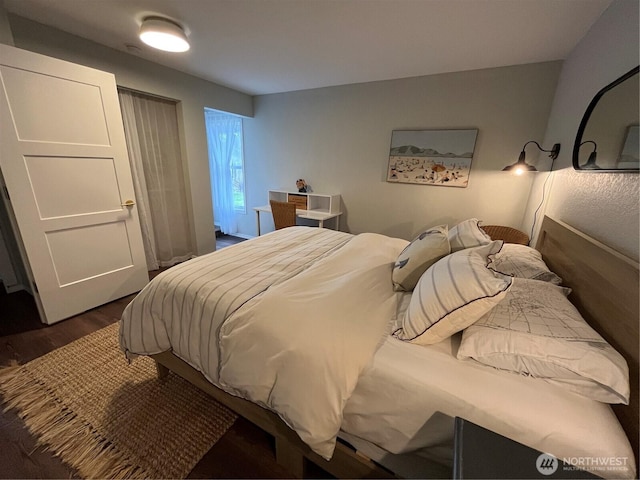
(508,234)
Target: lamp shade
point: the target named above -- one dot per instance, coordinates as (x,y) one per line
(593,156)
(591,162)
(521,166)
(164,35)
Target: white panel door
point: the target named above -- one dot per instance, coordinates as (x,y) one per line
(66,168)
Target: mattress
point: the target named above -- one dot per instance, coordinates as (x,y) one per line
(407,398)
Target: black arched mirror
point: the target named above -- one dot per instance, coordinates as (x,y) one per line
(607,139)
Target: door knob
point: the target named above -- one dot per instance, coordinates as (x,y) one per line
(128,203)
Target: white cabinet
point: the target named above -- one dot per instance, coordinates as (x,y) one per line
(311,202)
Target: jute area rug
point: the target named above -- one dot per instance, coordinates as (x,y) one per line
(110,419)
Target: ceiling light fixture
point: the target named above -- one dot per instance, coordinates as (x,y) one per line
(522,166)
(163,34)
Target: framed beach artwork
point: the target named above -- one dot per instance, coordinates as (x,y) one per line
(431,157)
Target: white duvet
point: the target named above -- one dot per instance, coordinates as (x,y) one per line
(299,348)
(288,321)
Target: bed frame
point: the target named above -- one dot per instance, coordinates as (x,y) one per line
(291,452)
(604,288)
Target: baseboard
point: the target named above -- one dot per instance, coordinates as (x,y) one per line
(243,235)
(15,288)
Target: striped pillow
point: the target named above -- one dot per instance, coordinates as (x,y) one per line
(452,294)
(423,251)
(467,234)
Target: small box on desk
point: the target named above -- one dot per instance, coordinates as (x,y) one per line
(299,200)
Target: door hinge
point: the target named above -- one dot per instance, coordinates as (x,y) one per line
(35,287)
(6,192)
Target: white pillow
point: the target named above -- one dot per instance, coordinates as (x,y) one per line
(523,261)
(452,294)
(467,234)
(536,331)
(423,251)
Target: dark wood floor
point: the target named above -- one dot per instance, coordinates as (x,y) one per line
(223,240)
(244,451)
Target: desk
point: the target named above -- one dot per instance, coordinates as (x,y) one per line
(308,214)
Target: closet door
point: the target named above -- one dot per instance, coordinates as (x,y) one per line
(64,161)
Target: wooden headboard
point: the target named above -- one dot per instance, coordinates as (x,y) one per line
(605,290)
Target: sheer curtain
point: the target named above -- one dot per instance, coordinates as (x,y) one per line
(151,130)
(222,138)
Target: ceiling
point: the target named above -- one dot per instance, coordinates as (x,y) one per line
(270,46)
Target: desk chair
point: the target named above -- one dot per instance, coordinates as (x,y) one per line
(284,214)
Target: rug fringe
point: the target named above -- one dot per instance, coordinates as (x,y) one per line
(60,431)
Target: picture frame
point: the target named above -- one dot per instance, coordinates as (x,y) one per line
(431,157)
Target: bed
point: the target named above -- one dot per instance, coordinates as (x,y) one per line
(373,387)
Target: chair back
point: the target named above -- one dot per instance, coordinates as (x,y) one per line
(284,214)
(507,234)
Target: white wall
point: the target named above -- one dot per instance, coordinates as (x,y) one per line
(604,205)
(338,140)
(133,72)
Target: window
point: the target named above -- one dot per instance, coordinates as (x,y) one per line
(226,164)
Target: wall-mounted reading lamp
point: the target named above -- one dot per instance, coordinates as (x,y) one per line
(522,166)
(591,162)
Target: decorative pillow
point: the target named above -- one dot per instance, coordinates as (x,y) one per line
(536,331)
(452,294)
(467,234)
(522,261)
(423,251)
